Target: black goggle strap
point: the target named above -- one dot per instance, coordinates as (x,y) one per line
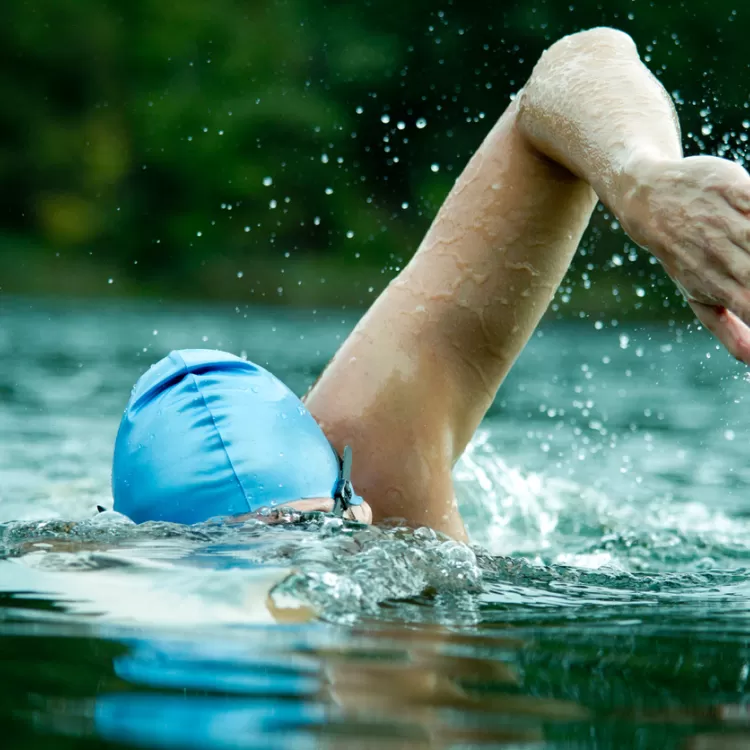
(343,495)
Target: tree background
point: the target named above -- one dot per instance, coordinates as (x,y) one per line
(294,152)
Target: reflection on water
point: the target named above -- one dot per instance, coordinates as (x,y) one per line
(604,604)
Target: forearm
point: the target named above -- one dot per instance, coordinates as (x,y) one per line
(593,107)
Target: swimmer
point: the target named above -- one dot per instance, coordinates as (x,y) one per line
(207,434)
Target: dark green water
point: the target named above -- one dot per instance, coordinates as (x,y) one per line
(604,603)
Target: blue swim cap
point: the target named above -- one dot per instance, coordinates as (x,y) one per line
(208,434)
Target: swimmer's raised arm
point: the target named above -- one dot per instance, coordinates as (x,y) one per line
(413,381)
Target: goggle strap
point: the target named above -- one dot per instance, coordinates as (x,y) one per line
(344,493)
(346,464)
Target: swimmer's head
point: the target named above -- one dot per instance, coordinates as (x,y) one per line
(208,434)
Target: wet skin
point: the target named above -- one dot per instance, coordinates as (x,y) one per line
(410,385)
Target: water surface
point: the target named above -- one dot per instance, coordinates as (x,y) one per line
(602,604)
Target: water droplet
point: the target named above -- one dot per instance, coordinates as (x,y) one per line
(640,292)
(247,229)
(199,234)
(385,119)
(624,341)
(329,191)
(421,123)
(272,203)
(349,234)
(359,110)
(435,167)
(324,158)
(268,181)
(400,125)
(240,274)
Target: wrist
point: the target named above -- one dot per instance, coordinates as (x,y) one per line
(633,187)
(635,176)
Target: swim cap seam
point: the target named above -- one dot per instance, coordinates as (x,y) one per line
(194,383)
(152,392)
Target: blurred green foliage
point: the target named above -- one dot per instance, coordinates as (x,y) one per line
(293,150)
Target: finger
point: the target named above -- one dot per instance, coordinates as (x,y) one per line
(738,264)
(737,195)
(716,290)
(737,253)
(709,287)
(737,299)
(727,327)
(693,294)
(724,276)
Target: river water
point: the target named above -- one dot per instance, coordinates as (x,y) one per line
(603,602)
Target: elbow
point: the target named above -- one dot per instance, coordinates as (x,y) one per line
(602,35)
(577,56)
(602,41)
(565,72)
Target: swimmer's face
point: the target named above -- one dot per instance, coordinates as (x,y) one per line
(361,513)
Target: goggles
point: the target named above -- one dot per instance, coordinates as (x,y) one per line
(343,496)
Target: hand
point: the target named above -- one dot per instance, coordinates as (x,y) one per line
(694,215)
